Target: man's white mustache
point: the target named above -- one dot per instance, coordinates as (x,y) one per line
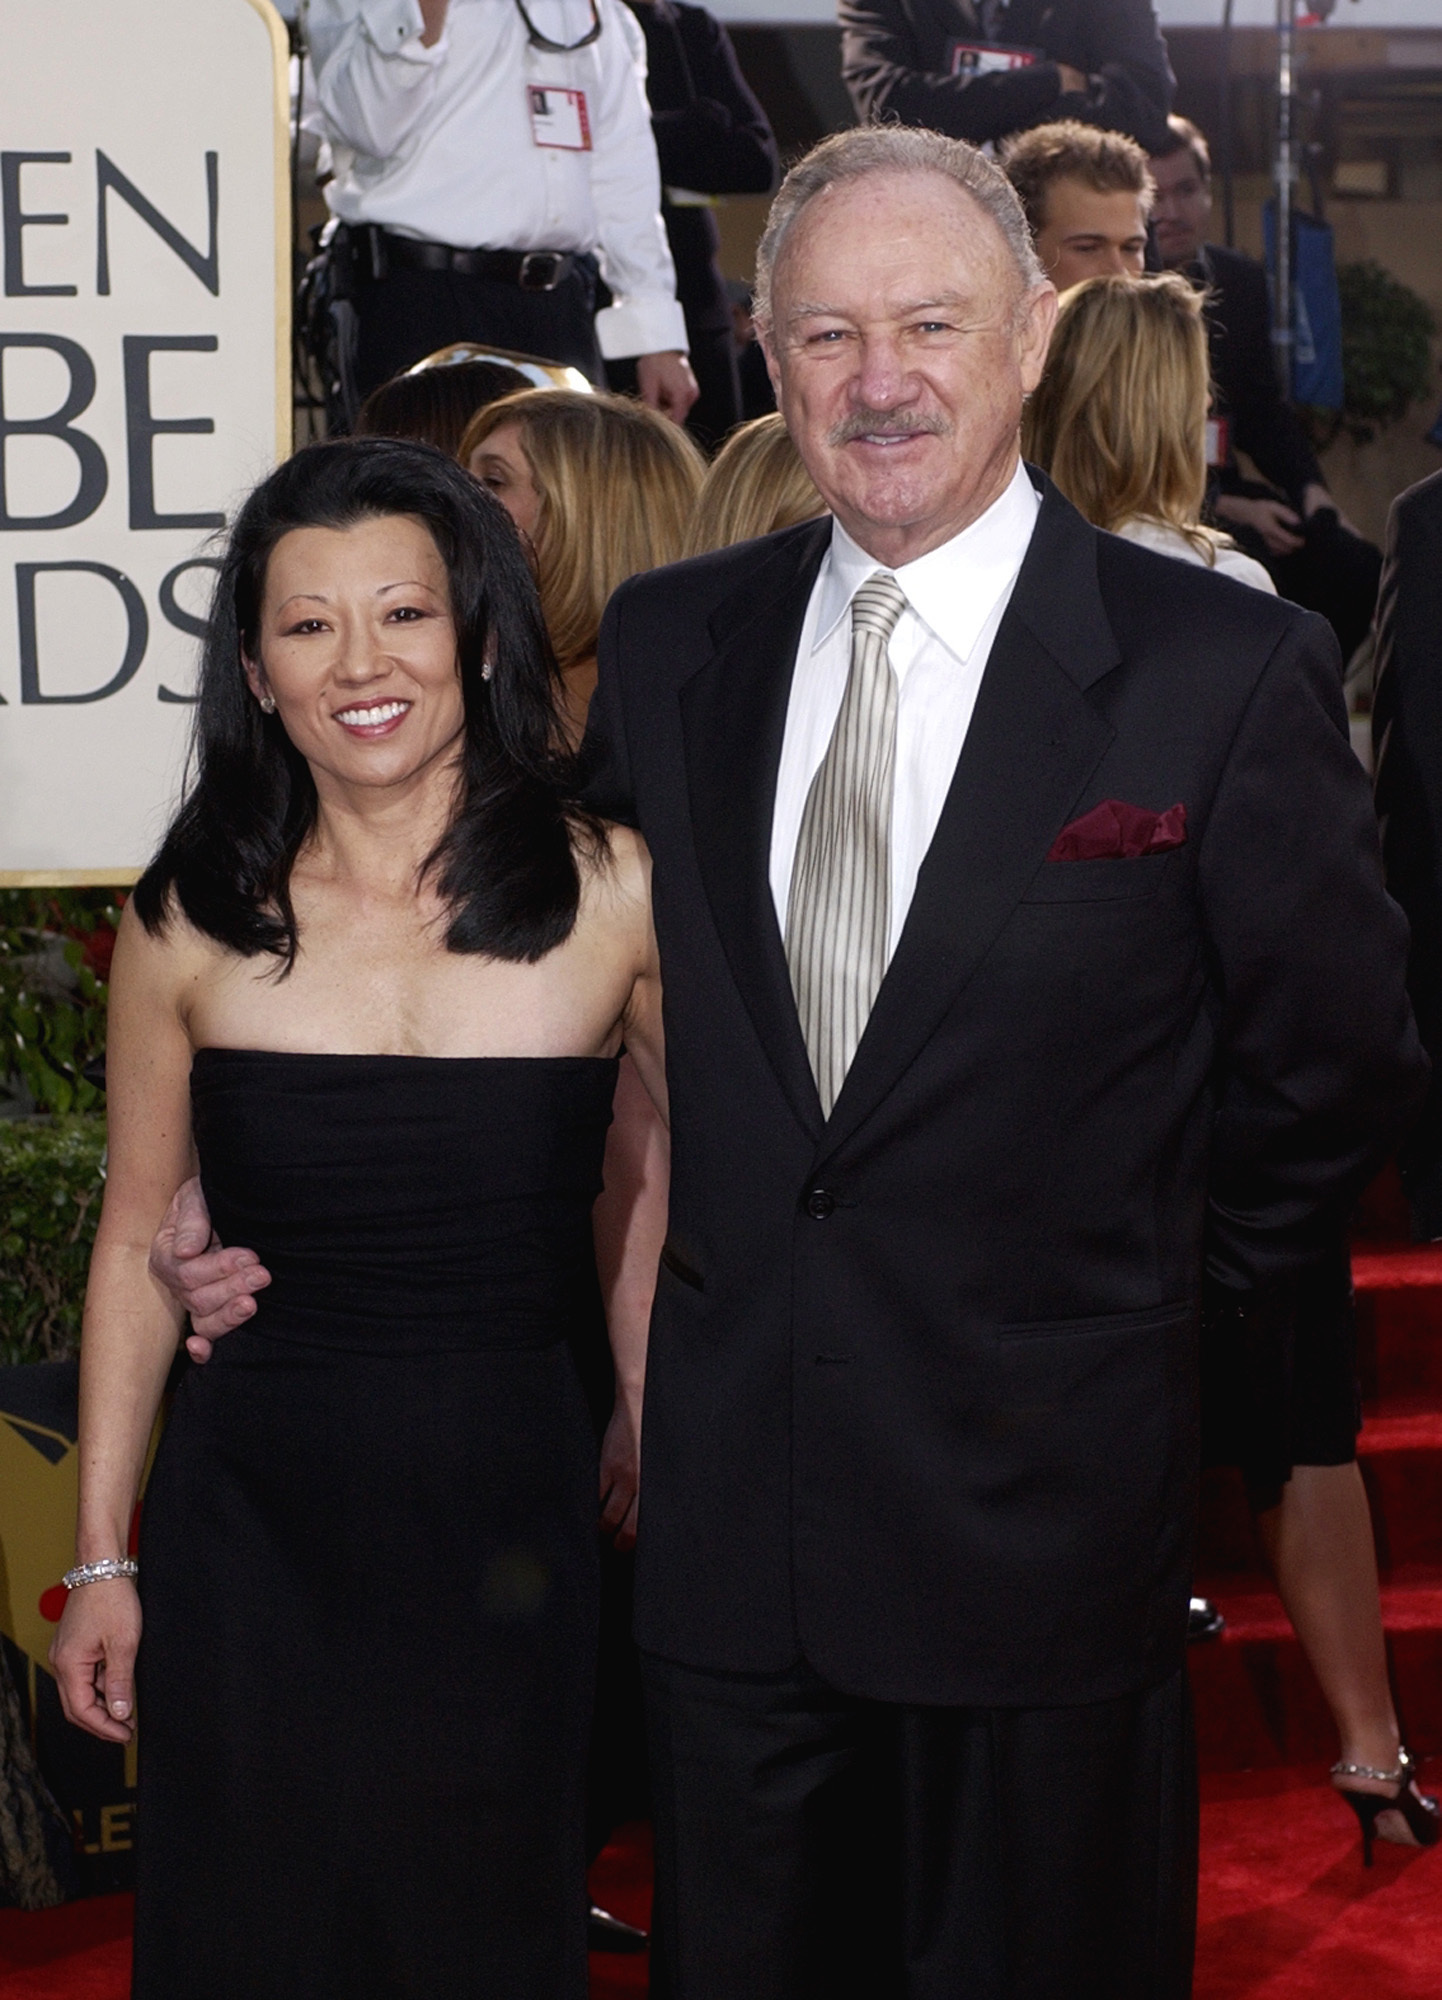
(886,423)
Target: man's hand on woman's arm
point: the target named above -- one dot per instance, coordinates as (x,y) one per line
(215,1286)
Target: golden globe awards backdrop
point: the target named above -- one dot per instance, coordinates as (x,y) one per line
(144,385)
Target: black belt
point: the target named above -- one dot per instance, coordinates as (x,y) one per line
(530,270)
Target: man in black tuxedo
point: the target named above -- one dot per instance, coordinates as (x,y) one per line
(1027,960)
(981,69)
(977,1061)
(1407,741)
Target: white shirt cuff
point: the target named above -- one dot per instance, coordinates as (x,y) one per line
(641,326)
(396,26)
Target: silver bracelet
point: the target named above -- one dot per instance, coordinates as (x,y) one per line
(101,1572)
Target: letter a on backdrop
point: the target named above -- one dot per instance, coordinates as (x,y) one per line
(144,387)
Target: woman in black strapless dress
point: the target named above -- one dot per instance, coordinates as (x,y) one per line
(368,1562)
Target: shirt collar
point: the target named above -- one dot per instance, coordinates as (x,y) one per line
(954,588)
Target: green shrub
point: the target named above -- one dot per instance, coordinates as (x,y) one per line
(55,949)
(52,1171)
(1386,346)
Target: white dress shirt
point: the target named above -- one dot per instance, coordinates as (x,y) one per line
(437,143)
(955,596)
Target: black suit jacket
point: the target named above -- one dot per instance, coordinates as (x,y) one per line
(921,1397)
(1239,332)
(896,61)
(1407,739)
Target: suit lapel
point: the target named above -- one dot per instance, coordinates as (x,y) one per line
(733,719)
(1034,741)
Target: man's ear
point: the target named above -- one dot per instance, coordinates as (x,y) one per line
(1038,317)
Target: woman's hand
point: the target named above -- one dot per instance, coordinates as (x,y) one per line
(93,1655)
(621,1472)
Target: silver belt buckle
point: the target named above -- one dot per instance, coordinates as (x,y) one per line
(540,271)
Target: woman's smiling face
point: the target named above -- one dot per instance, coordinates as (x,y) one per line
(358,650)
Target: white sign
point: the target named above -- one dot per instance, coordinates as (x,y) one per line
(144,387)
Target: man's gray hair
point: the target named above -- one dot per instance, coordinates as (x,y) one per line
(893,149)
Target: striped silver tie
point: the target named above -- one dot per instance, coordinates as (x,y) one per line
(838,916)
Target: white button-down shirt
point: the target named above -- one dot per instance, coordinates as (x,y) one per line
(437,143)
(956,597)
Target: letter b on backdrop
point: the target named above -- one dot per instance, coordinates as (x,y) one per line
(144,387)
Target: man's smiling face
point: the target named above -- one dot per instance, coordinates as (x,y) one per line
(902,345)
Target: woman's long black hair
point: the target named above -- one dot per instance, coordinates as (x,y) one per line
(506,865)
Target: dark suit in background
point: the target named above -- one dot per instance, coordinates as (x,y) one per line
(1336,572)
(921,1429)
(897,62)
(712,137)
(1407,739)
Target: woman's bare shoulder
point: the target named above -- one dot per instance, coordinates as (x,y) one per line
(169,959)
(616,875)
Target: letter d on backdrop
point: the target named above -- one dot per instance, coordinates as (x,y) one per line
(144,387)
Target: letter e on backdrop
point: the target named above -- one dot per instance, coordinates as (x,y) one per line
(144,387)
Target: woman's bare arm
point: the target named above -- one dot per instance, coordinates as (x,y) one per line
(630,1217)
(131,1325)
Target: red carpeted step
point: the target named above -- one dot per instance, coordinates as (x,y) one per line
(1395,1267)
(1257,1701)
(1399,1339)
(1401,1455)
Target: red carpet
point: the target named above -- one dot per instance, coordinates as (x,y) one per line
(1289,1913)
(1287,1910)
(82,1952)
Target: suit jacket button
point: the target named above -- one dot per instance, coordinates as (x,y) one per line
(820,1203)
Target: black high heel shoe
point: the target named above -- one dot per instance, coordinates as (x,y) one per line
(1424,1822)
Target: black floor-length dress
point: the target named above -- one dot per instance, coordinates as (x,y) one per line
(368,1550)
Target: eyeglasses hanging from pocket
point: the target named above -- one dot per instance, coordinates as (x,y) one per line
(540,41)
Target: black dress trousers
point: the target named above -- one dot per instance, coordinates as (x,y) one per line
(407,315)
(814,1846)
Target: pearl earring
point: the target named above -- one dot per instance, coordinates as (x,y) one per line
(488,668)
(267,704)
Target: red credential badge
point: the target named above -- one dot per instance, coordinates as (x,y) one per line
(559,118)
(971,59)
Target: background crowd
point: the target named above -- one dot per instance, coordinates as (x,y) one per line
(640,119)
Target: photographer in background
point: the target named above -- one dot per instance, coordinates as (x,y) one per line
(981,69)
(490,156)
(1288,519)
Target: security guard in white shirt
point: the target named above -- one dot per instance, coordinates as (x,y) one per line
(489,157)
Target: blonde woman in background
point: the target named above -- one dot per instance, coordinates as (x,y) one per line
(602,487)
(755,485)
(1119,422)
(1120,417)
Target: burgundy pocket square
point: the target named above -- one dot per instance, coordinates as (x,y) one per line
(1115,831)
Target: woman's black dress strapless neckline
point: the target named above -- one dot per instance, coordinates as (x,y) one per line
(368,1558)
